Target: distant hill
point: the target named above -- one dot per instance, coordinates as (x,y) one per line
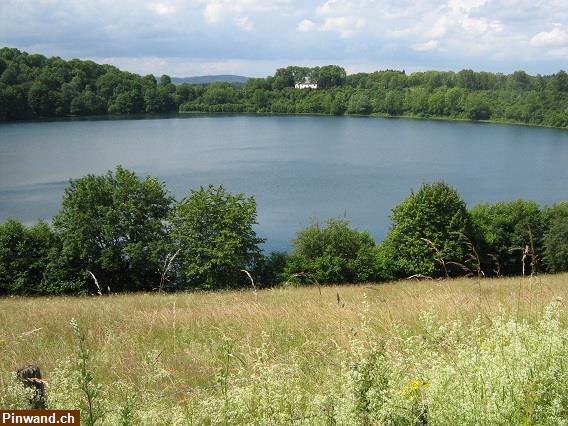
(207,79)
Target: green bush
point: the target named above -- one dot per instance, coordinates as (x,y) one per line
(333,253)
(214,230)
(556,238)
(505,229)
(114,227)
(427,234)
(270,269)
(24,253)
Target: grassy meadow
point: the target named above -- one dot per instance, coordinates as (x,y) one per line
(471,351)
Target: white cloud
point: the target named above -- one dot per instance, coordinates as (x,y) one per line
(244,23)
(213,12)
(306,26)
(423,47)
(501,35)
(338,8)
(346,26)
(440,27)
(240,11)
(162,8)
(465,6)
(345,17)
(559,53)
(558,36)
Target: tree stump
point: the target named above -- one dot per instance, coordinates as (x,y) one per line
(30,376)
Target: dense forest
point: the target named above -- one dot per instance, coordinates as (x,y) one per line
(120,233)
(33,86)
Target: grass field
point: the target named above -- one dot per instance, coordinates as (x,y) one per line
(399,353)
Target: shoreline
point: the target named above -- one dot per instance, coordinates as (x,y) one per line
(149,116)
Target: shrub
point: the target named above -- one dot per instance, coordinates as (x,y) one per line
(512,372)
(113,226)
(23,256)
(426,234)
(556,238)
(214,230)
(270,270)
(505,229)
(333,253)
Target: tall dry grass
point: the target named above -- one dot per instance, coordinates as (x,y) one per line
(178,345)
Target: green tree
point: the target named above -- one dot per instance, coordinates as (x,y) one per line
(329,76)
(260,99)
(394,104)
(219,93)
(477,107)
(334,253)
(417,100)
(359,103)
(270,269)
(426,234)
(215,231)
(24,253)
(14,102)
(437,102)
(113,226)
(42,101)
(87,102)
(505,229)
(556,238)
(165,80)
(556,245)
(454,101)
(289,76)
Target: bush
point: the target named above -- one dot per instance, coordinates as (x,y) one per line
(23,256)
(113,226)
(556,238)
(333,253)
(214,230)
(270,270)
(505,229)
(427,234)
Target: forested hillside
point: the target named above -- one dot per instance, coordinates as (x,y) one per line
(33,86)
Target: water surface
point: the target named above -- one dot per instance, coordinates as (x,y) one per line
(299,168)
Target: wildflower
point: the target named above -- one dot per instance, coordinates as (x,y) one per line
(413,387)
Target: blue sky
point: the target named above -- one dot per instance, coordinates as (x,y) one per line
(254,37)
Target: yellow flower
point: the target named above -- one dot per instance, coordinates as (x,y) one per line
(413,387)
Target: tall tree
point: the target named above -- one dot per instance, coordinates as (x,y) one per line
(215,231)
(114,227)
(427,233)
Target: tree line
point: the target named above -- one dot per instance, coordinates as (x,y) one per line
(33,86)
(118,232)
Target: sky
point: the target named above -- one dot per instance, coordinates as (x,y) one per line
(255,37)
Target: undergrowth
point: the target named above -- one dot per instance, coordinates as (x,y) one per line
(495,370)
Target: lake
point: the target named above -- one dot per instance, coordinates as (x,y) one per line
(299,168)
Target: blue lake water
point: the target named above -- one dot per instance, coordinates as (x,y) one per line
(299,168)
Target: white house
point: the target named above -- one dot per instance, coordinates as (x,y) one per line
(306,84)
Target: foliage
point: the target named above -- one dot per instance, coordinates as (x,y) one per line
(90,404)
(113,227)
(426,235)
(270,269)
(332,253)
(506,229)
(119,233)
(35,86)
(214,230)
(24,253)
(556,238)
